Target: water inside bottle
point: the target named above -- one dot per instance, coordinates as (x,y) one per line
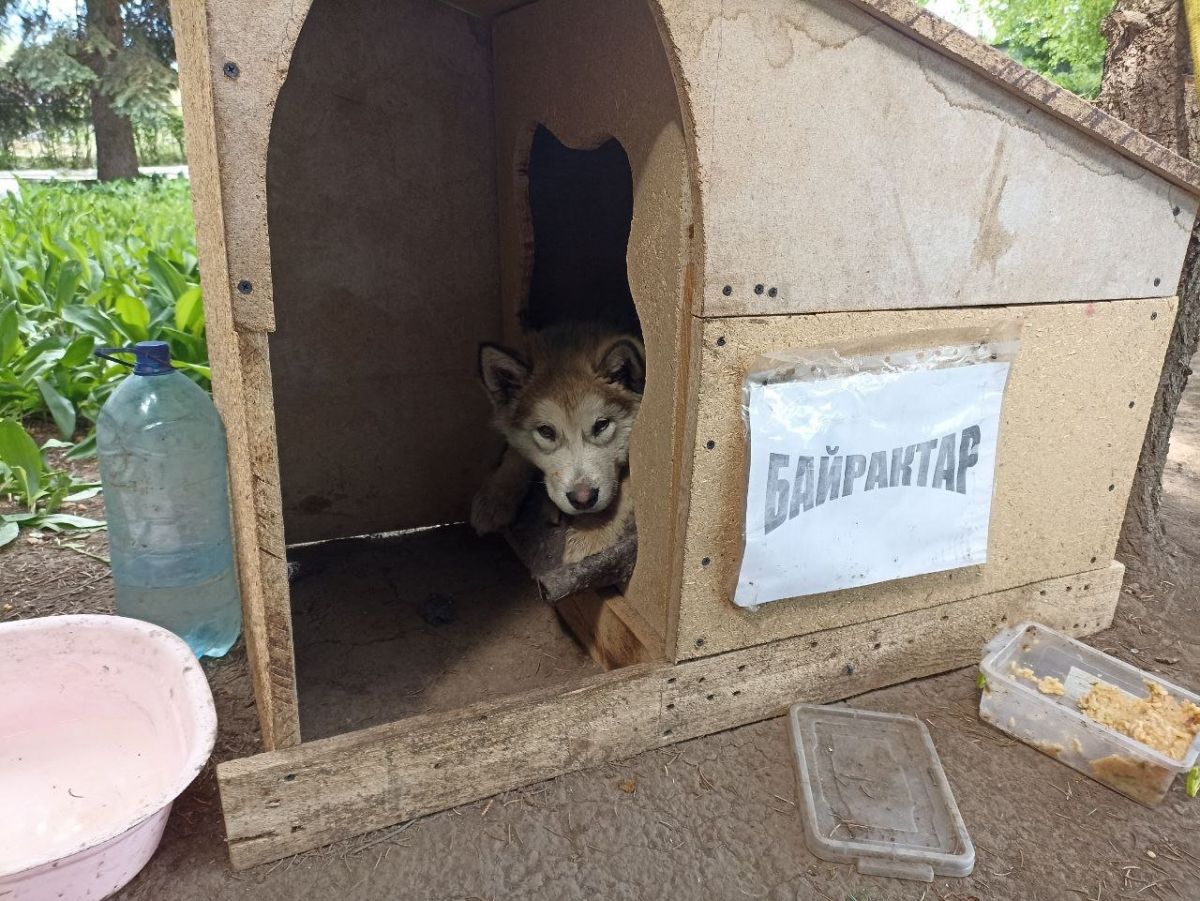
(207,615)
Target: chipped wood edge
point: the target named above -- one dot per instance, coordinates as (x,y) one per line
(288,801)
(939,35)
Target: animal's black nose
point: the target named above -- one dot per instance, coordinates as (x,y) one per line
(583,498)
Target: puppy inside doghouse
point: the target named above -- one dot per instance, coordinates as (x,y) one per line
(566,409)
(566,403)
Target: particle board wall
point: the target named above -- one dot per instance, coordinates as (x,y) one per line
(1075,412)
(382,214)
(590,71)
(844,166)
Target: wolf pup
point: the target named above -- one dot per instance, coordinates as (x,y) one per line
(566,410)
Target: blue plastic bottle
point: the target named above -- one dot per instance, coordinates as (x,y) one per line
(166,491)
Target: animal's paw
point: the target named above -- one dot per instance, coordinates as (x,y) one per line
(583,543)
(493,510)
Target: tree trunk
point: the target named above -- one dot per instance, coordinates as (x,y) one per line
(116,153)
(1147,85)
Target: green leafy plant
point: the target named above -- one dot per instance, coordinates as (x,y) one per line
(41,490)
(62,60)
(1059,39)
(1193,782)
(82,266)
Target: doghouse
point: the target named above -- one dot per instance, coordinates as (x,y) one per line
(753,175)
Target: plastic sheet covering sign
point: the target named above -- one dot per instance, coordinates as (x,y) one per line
(871,463)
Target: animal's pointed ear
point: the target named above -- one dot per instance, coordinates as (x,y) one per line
(503,374)
(624,363)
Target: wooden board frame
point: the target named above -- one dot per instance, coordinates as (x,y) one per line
(283,802)
(237,343)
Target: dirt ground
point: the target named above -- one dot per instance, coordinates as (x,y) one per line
(714,817)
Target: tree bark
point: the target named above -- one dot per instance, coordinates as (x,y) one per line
(116,153)
(1146,83)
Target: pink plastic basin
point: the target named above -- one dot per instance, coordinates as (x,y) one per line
(103,722)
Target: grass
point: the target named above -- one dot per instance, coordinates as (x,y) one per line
(84,266)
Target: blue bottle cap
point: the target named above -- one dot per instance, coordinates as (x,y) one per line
(152,358)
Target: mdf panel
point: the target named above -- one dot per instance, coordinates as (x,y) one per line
(844,166)
(590,72)
(382,213)
(1075,412)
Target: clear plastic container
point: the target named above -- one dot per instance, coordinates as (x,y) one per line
(1053,723)
(163,465)
(873,793)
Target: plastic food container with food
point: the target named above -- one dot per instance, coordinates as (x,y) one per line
(873,793)
(1035,679)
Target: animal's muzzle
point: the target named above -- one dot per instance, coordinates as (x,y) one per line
(583,497)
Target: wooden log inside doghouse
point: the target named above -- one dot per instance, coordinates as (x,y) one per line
(539,546)
(1075,411)
(599,621)
(284,802)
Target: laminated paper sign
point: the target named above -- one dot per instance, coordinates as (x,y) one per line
(871,469)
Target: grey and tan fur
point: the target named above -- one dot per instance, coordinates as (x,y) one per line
(566,409)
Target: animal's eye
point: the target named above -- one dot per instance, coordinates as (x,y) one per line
(547,432)
(600,427)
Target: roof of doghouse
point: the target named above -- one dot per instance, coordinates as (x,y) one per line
(935,32)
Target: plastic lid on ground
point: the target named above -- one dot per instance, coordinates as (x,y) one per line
(873,792)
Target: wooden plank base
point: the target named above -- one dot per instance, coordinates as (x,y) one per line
(283,802)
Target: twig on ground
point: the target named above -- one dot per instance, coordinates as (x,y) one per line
(386,837)
(79,550)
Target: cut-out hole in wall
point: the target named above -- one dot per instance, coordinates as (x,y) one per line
(581,207)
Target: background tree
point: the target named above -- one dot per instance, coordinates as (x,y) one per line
(1148,82)
(1133,57)
(1061,39)
(114,59)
